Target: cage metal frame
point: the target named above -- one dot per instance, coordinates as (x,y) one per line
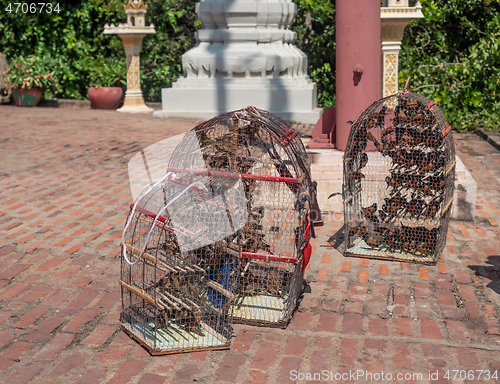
(416,126)
(291,173)
(167,298)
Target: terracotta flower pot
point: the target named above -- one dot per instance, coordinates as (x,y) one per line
(105,97)
(27,97)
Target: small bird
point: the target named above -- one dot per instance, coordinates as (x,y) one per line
(412,104)
(353,231)
(435,139)
(425,189)
(363,231)
(363,160)
(370,137)
(437,183)
(388,130)
(370,211)
(402,116)
(415,206)
(394,204)
(355,175)
(372,243)
(432,209)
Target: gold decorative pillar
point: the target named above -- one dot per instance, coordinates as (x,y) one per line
(395,16)
(132,34)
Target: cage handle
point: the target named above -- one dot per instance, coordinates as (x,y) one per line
(169,176)
(197,184)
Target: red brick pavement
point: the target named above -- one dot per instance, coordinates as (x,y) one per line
(63,200)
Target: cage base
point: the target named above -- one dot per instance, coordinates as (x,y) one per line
(250,310)
(167,343)
(361,249)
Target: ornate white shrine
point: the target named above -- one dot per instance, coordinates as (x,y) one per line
(132,34)
(395,16)
(244,55)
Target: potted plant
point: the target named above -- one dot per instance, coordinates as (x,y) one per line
(27,77)
(106,77)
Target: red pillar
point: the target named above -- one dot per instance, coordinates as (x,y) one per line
(358,61)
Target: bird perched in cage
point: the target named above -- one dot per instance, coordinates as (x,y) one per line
(388,130)
(435,139)
(275,282)
(363,160)
(427,165)
(192,321)
(398,156)
(363,231)
(355,175)
(384,146)
(394,204)
(432,208)
(437,182)
(394,181)
(372,242)
(370,212)
(415,206)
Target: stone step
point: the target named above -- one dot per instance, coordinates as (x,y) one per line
(318,156)
(327,167)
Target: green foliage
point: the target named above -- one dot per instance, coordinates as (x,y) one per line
(175,23)
(453,56)
(69,38)
(29,72)
(315,28)
(107,72)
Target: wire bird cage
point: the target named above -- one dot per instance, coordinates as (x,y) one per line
(178,281)
(399,172)
(264,154)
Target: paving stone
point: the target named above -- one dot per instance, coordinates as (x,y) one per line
(63,206)
(54,346)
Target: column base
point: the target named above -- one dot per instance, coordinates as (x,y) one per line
(291,99)
(134,105)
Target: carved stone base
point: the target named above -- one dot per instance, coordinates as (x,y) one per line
(291,99)
(134,105)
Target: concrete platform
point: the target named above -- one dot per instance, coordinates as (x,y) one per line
(327,171)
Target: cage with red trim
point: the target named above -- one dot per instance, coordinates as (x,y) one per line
(266,158)
(222,237)
(399,172)
(178,279)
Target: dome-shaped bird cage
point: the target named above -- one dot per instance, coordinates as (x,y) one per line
(264,154)
(399,173)
(178,282)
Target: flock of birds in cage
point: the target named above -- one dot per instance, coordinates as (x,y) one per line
(224,236)
(410,178)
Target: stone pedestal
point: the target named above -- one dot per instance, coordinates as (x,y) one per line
(132,34)
(243,56)
(134,102)
(394,19)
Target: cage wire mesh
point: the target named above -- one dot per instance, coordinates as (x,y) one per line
(264,154)
(177,281)
(399,172)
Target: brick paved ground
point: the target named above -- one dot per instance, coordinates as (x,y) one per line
(63,201)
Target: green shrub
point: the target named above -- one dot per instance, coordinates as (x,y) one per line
(30,72)
(453,56)
(107,72)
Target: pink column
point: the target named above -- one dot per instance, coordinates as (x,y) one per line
(357,61)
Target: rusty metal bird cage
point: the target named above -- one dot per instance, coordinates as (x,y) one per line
(399,172)
(264,154)
(177,281)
